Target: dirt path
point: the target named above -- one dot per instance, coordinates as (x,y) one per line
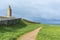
(30,36)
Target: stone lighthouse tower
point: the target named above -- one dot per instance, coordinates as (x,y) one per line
(9,14)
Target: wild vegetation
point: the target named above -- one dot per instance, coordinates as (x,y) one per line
(49,32)
(12,32)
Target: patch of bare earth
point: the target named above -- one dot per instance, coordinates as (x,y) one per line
(30,35)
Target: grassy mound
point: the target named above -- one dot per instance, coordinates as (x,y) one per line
(12,32)
(49,32)
(31,21)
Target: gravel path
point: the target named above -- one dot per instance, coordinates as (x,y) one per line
(30,35)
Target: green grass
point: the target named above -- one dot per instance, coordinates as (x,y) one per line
(12,32)
(49,32)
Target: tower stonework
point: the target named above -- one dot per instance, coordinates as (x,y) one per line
(9,14)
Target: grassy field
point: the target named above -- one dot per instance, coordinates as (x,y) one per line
(14,31)
(49,32)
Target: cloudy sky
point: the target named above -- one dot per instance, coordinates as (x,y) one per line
(48,9)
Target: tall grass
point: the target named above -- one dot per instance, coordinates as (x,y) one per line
(12,32)
(49,32)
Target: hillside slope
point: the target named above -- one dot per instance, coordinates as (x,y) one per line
(14,31)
